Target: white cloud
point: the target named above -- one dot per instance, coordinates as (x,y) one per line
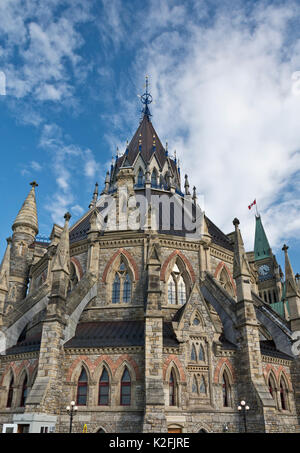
(225,102)
(69,164)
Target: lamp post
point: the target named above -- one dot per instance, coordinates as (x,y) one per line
(72,410)
(243,407)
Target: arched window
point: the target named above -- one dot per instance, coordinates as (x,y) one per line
(193,354)
(201,354)
(82,388)
(104,389)
(202,385)
(181,291)
(272,387)
(172,389)
(226,390)
(140,177)
(154,178)
(125,394)
(127,289)
(10,392)
(171,291)
(116,290)
(194,385)
(283,395)
(177,287)
(122,285)
(225,281)
(24,392)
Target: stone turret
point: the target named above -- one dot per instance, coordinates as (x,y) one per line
(25,229)
(292,292)
(43,397)
(4,278)
(249,355)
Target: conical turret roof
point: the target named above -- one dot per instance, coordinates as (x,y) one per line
(262,247)
(27,215)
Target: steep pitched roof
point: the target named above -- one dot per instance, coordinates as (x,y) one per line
(261,244)
(145,134)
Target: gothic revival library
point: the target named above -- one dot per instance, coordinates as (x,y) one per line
(146,327)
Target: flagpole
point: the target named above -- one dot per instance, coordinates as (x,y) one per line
(257,214)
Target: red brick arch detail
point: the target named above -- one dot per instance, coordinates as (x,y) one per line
(9,366)
(77,264)
(130,258)
(282,370)
(81,358)
(113,365)
(218,270)
(218,369)
(174,358)
(126,357)
(185,260)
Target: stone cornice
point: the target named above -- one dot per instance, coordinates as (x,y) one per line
(107,350)
(219,252)
(276,360)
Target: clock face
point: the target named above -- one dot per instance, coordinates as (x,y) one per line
(264,270)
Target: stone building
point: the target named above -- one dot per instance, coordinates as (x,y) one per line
(145,313)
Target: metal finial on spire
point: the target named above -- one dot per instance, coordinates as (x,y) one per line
(146,99)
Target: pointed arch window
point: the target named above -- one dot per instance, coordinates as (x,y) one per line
(201,354)
(225,281)
(82,389)
(194,385)
(283,395)
(122,285)
(140,180)
(10,393)
(154,178)
(24,392)
(127,289)
(172,389)
(116,290)
(272,388)
(193,354)
(125,394)
(202,386)
(226,390)
(104,389)
(177,290)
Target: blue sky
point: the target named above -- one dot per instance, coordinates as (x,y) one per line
(224,76)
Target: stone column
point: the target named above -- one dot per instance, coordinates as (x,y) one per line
(154,416)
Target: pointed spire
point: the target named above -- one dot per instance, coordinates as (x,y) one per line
(194,195)
(146,99)
(187,185)
(262,247)
(241,268)
(290,280)
(167,152)
(62,255)
(27,215)
(240,263)
(5,268)
(95,197)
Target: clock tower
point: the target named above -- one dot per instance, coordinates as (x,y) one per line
(269,273)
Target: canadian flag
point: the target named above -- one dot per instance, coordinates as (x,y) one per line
(252,204)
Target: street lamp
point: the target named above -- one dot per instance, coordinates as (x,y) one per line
(71,410)
(243,407)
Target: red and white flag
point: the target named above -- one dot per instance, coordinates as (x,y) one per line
(252,204)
